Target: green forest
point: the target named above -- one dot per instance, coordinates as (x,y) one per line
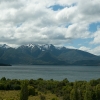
(41,89)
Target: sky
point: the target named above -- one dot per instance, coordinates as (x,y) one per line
(70,23)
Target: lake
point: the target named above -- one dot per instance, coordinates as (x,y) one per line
(72,73)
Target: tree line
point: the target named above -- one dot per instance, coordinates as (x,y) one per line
(78,90)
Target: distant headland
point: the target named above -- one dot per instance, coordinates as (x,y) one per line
(2,64)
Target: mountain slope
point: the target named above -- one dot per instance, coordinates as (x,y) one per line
(46,54)
(76,55)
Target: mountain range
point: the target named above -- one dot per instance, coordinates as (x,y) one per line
(46,54)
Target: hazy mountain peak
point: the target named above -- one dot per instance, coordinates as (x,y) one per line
(46,46)
(30,45)
(43,47)
(4,46)
(40,46)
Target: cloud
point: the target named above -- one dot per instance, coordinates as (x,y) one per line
(96,37)
(71,47)
(77,30)
(95,50)
(90,7)
(85,49)
(34,21)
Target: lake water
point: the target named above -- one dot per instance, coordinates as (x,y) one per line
(72,73)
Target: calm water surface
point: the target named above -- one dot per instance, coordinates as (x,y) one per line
(72,73)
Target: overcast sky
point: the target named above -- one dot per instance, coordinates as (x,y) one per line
(69,23)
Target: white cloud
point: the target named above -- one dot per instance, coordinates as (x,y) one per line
(77,30)
(71,47)
(96,37)
(95,50)
(66,2)
(27,21)
(85,49)
(66,15)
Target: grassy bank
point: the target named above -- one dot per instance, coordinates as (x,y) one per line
(15,94)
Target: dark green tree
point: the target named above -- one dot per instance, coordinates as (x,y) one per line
(24,91)
(3,79)
(98,92)
(74,92)
(88,92)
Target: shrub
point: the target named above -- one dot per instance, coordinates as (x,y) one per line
(31,90)
(42,97)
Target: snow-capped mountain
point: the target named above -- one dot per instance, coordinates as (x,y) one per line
(46,54)
(4,46)
(42,47)
(45,46)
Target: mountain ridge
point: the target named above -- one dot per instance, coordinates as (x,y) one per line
(46,54)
